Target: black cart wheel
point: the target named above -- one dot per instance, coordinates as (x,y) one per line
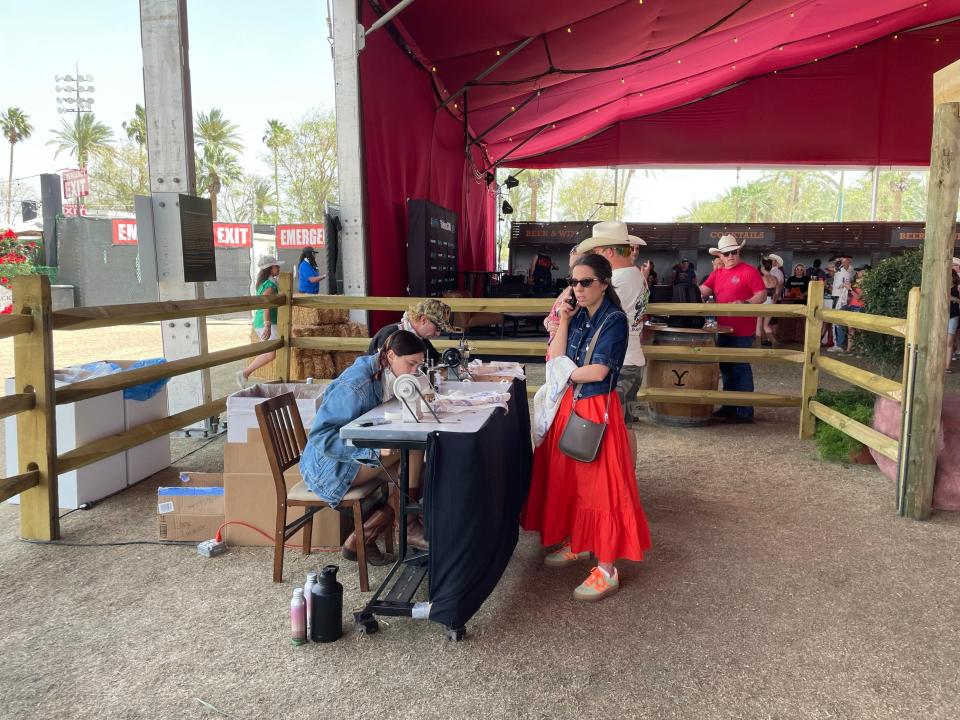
(368,627)
(456,634)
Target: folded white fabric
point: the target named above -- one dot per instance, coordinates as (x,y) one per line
(497,369)
(547,400)
(459,401)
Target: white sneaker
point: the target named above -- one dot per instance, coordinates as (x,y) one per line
(241,381)
(834,348)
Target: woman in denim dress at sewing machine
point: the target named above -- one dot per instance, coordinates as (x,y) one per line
(330,466)
(589,507)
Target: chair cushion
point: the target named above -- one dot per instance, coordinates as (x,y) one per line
(302,493)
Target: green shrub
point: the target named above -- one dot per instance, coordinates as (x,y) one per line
(885,290)
(833,445)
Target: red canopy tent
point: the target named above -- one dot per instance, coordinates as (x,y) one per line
(606,82)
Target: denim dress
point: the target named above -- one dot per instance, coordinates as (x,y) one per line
(328,464)
(611,346)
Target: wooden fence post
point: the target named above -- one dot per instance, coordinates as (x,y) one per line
(284,327)
(811,353)
(931,337)
(908,381)
(36,428)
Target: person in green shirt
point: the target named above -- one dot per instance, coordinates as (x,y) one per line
(264,323)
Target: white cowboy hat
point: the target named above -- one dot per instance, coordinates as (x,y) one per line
(726,244)
(267,261)
(776,258)
(956,261)
(606,233)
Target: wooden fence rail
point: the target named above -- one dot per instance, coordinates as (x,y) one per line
(33,402)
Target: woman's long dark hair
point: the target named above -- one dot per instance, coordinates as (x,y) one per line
(604,273)
(263,275)
(310,256)
(402,342)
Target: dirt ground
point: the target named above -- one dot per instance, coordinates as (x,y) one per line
(778,587)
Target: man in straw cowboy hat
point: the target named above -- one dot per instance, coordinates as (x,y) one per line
(735,282)
(611,240)
(425,319)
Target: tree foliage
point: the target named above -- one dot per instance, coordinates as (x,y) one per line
(885,290)
(308,166)
(15,126)
(115,178)
(218,142)
(84,138)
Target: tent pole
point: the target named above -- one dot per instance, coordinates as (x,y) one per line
(347,34)
(513,51)
(873,195)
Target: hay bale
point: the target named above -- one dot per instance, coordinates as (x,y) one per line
(356,330)
(307,330)
(343,360)
(305,315)
(301,364)
(331,316)
(324,366)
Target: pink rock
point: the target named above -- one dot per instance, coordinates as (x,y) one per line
(946,488)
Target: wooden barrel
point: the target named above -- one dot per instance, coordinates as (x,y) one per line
(682,374)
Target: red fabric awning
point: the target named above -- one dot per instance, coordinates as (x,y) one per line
(660,82)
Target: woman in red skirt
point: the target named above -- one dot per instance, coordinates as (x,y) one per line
(589,507)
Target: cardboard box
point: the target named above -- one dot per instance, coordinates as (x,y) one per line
(78,424)
(251,496)
(242,417)
(191,510)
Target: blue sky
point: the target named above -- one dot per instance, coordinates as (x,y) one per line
(253,59)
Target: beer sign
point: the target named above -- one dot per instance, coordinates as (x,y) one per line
(294,237)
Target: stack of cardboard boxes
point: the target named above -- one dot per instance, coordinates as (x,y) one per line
(249,494)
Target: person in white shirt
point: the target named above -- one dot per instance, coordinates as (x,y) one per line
(842,278)
(611,240)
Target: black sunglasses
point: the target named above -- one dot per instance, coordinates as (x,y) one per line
(583,283)
(731,252)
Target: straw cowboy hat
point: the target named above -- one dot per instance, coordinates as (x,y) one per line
(956,262)
(267,261)
(776,258)
(726,244)
(606,233)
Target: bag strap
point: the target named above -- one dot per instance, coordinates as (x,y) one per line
(586,361)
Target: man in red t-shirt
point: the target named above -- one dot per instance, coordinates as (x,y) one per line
(739,283)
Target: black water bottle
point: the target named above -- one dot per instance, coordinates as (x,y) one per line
(326,606)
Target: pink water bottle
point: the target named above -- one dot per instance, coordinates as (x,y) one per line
(298,618)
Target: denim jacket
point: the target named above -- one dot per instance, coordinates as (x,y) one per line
(611,345)
(328,464)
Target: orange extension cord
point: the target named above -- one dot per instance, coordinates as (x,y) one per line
(320,548)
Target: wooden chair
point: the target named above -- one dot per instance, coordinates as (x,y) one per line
(284,440)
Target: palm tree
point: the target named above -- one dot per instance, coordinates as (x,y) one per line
(136,129)
(85,138)
(217,165)
(16,127)
(276,137)
(215,168)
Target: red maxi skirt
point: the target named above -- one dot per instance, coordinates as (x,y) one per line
(596,505)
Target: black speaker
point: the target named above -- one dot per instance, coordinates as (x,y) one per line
(51,203)
(28,210)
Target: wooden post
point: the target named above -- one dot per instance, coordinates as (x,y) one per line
(811,353)
(940,231)
(36,428)
(284,327)
(908,383)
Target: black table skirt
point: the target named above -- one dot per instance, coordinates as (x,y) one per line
(475,487)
